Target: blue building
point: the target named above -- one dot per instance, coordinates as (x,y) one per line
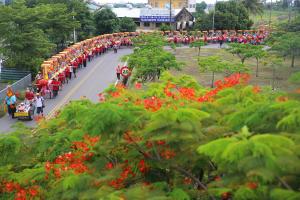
(5,2)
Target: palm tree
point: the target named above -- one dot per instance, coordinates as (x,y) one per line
(253,6)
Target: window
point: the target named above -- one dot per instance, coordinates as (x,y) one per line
(194,5)
(156,4)
(191,6)
(147,24)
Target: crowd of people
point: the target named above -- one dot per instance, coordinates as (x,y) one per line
(78,58)
(63,67)
(221,37)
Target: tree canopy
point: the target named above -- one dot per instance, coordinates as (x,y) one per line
(287,44)
(32,30)
(106,21)
(24,43)
(228,15)
(171,139)
(149,58)
(127,25)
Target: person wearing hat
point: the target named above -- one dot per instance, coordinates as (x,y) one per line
(40,104)
(10,101)
(39,76)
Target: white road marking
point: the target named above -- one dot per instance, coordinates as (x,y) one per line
(72,91)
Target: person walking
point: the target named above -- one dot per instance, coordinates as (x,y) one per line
(221,40)
(10,101)
(55,86)
(74,67)
(84,57)
(70,71)
(118,72)
(115,47)
(29,95)
(40,104)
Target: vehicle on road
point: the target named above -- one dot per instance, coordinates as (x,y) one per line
(25,110)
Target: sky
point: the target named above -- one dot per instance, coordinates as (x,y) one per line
(141,1)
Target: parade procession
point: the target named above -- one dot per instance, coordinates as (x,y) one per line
(61,68)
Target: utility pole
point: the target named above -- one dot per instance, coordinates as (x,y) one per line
(170,15)
(213,24)
(74,31)
(270,16)
(290,11)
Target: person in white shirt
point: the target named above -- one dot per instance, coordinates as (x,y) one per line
(40,104)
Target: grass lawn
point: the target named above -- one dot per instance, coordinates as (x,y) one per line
(189,57)
(276,17)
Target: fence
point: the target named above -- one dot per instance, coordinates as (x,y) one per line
(12,74)
(17,86)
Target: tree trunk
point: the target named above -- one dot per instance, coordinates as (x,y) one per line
(212,79)
(273,78)
(199,49)
(242,60)
(293,60)
(256,68)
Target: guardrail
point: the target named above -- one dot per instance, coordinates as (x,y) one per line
(17,86)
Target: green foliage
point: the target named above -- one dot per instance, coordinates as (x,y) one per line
(127,25)
(214,64)
(292,26)
(277,194)
(149,58)
(9,147)
(106,21)
(245,51)
(253,6)
(198,44)
(164,141)
(25,43)
(259,158)
(179,194)
(228,15)
(200,9)
(164,27)
(287,44)
(295,78)
(31,30)
(79,9)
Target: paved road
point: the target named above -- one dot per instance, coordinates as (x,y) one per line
(90,81)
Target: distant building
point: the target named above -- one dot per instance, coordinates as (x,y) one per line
(153,18)
(190,5)
(5,2)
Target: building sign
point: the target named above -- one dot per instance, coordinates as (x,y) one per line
(156,15)
(156,19)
